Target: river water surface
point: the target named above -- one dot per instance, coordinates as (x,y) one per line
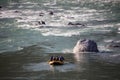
(26,45)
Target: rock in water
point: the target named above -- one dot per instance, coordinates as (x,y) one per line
(114,44)
(85,46)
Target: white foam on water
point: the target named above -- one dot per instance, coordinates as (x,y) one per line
(56,24)
(27,2)
(67,50)
(119,29)
(108,40)
(75,8)
(103,48)
(61,33)
(70,32)
(26,26)
(118,24)
(50,3)
(9,14)
(58,20)
(29,19)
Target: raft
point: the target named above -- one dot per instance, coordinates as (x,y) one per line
(56,62)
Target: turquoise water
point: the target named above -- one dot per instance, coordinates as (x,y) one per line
(25,46)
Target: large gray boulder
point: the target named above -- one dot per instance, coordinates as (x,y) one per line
(85,45)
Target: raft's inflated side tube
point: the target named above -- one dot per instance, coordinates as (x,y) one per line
(56,62)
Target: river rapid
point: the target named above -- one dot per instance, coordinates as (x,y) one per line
(26,45)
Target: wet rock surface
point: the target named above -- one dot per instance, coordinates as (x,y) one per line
(85,46)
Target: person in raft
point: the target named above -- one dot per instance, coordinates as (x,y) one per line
(58,58)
